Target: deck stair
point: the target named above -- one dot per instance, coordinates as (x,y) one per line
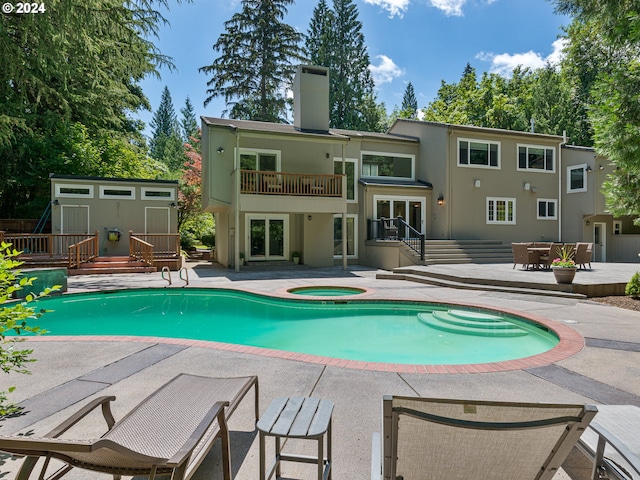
(471,323)
(112,265)
(438,252)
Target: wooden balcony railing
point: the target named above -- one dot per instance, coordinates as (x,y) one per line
(83,251)
(45,244)
(140,250)
(282,183)
(164,244)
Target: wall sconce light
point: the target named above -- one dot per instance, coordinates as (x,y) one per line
(309,217)
(534,189)
(172,204)
(476,183)
(589,169)
(55,202)
(588,222)
(440,200)
(527,186)
(220,150)
(327,155)
(601,167)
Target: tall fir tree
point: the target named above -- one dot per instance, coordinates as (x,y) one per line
(189,122)
(335,40)
(166,142)
(409,103)
(258,58)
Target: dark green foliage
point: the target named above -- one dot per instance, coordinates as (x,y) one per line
(166,143)
(633,287)
(258,58)
(409,107)
(188,123)
(208,240)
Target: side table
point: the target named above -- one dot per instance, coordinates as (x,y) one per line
(305,418)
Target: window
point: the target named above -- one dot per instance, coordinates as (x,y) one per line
(352,236)
(478,153)
(547,209)
(387,165)
(501,210)
(158,193)
(113,191)
(577,178)
(74,191)
(617,227)
(262,160)
(536,158)
(350,171)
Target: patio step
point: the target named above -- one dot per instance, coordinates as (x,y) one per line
(551,290)
(490,326)
(112,265)
(442,252)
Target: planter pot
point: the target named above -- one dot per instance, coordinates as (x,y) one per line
(564,274)
(296,260)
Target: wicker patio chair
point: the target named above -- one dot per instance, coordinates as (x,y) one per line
(522,255)
(170,432)
(554,252)
(583,254)
(428,438)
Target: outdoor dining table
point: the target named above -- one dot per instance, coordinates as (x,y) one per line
(538,251)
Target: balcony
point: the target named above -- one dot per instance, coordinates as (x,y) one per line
(254,182)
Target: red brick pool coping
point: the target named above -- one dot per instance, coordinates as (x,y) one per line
(571,343)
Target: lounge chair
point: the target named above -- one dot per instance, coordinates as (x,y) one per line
(170,432)
(612,442)
(427,438)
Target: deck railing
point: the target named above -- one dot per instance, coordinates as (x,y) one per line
(283,183)
(164,244)
(83,251)
(45,244)
(396,229)
(140,250)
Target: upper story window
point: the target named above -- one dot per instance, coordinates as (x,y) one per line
(149,193)
(478,153)
(577,178)
(531,157)
(261,160)
(74,191)
(113,191)
(387,165)
(501,210)
(350,171)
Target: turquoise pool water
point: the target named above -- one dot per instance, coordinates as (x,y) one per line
(372,331)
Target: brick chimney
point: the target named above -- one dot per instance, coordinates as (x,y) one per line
(311,99)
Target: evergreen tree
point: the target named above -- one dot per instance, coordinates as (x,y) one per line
(409,103)
(189,123)
(166,143)
(258,57)
(319,36)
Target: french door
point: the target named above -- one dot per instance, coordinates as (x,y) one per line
(267,237)
(411,209)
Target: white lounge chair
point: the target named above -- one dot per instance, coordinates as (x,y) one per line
(428,438)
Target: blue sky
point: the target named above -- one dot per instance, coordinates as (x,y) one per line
(417,41)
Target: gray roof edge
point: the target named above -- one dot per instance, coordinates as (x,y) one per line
(110,179)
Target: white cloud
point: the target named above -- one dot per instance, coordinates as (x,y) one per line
(449,7)
(386,71)
(395,7)
(504,63)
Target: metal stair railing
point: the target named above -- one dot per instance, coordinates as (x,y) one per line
(396,229)
(410,237)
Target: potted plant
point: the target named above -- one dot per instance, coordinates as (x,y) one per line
(296,257)
(564,268)
(241,255)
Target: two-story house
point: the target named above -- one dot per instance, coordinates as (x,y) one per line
(277,189)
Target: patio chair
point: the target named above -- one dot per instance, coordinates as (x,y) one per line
(583,254)
(427,438)
(522,255)
(554,252)
(170,432)
(612,443)
(389,227)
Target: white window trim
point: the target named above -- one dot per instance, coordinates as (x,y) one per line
(60,186)
(390,154)
(501,199)
(397,198)
(583,167)
(266,217)
(144,191)
(355,176)
(547,200)
(540,170)
(355,234)
(478,140)
(117,187)
(257,151)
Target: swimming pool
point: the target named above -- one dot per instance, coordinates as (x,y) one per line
(326,291)
(362,330)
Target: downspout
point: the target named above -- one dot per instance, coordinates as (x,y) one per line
(236,164)
(563,142)
(344,213)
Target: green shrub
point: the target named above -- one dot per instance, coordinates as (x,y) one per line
(208,240)
(187,240)
(13,318)
(633,287)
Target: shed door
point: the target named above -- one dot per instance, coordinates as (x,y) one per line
(156,220)
(75,219)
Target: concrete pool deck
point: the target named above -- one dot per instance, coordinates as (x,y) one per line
(69,373)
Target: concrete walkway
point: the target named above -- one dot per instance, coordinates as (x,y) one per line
(68,373)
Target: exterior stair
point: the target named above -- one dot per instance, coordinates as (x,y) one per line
(439,252)
(112,265)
